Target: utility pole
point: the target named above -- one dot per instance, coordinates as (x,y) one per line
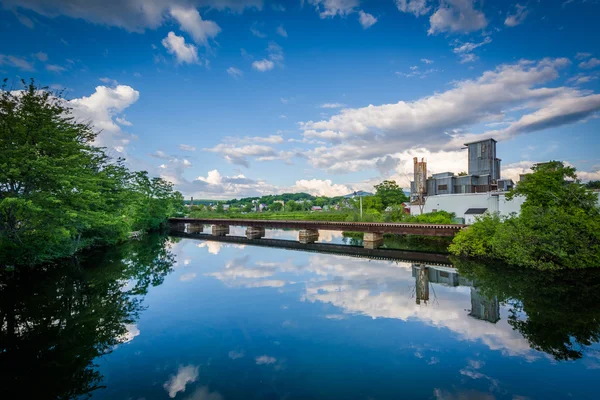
(360,198)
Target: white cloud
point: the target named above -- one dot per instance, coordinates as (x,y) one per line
(234,355)
(415,72)
(265,360)
(416,7)
(426,61)
(263,65)
(187,147)
(331,8)
(191,22)
(318,187)
(234,72)
(101,110)
(132,15)
(281,31)
(41,56)
(109,81)
(332,105)
(24,19)
(589,64)
(184,53)
(177,383)
(582,56)
(130,334)
(366,20)
(239,154)
(217,186)
(456,16)
(17,62)
(361,136)
(203,393)
(123,121)
(465,50)
(187,277)
(256,30)
(518,17)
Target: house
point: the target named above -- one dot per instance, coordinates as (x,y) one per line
(472,213)
(316,208)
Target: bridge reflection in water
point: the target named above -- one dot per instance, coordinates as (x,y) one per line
(428,269)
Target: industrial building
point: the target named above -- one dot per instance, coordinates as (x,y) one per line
(483,174)
(467,196)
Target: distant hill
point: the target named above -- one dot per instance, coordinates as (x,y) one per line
(359,193)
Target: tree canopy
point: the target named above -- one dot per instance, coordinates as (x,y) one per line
(59,192)
(558,226)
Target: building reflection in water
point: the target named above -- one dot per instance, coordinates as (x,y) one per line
(482,307)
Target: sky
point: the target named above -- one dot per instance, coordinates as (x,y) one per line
(236,98)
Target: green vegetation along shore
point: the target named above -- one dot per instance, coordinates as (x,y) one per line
(558,227)
(59,193)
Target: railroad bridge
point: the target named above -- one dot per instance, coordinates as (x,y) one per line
(309,230)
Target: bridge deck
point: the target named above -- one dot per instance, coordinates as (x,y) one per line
(379,227)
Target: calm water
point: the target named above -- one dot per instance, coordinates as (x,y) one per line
(188,319)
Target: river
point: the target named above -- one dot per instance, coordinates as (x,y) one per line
(181,318)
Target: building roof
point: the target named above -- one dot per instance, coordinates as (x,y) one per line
(479,141)
(475,211)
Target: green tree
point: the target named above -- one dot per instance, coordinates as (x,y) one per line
(558,227)
(275,207)
(593,185)
(58,192)
(390,194)
(220,209)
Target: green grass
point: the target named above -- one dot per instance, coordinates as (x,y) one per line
(294,216)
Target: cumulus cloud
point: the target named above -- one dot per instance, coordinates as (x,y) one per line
(426,61)
(217,186)
(331,8)
(191,22)
(184,53)
(17,62)
(281,31)
(465,50)
(359,137)
(582,56)
(256,31)
(332,105)
(416,7)
(101,109)
(318,187)
(43,57)
(456,16)
(177,383)
(366,20)
(239,154)
(263,65)
(132,15)
(235,72)
(265,360)
(186,147)
(518,17)
(589,64)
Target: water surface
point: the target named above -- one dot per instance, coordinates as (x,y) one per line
(192,319)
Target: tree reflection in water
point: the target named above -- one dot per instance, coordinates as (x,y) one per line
(55,320)
(556,311)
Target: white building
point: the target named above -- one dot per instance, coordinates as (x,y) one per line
(470,205)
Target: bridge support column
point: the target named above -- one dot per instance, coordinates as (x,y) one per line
(220,230)
(178,227)
(195,228)
(306,236)
(372,240)
(255,232)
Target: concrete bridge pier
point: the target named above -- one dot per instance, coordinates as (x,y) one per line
(255,232)
(220,230)
(372,240)
(179,227)
(195,228)
(306,236)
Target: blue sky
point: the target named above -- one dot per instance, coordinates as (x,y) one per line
(234,98)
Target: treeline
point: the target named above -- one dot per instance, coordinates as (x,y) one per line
(58,192)
(558,227)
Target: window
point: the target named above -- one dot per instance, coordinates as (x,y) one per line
(442,187)
(444,274)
